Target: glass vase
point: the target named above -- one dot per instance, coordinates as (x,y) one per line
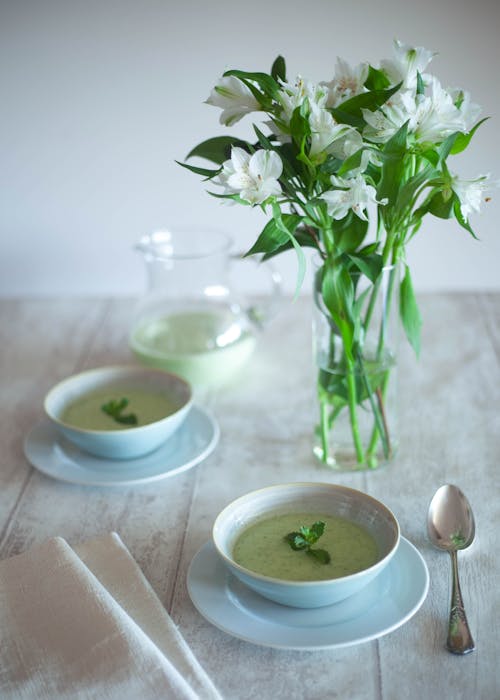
(357,391)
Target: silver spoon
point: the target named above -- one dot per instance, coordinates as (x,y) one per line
(450,526)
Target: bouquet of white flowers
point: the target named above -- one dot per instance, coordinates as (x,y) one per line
(348,167)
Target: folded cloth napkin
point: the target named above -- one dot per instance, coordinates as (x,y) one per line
(84,624)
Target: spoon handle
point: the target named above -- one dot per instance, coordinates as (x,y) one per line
(459,637)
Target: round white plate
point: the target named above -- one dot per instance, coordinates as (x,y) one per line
(382,606)
(55,456)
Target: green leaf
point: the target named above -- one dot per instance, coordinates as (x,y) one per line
(369,249)
(307,536)
(321,555)
(264,141)
(235,197)
(377,79)
(274,237)
(349,232)
(301,235)
(420,84)
(266,82)
(410,315)
(408,191)
(463,140)
(296,541)
(445,147)
(431,156)
(337,291)
(369,265)
(350,163)
(200,171)
(460,218)
(316,530)
(393,166)
(349,112)
(331,165)
(217,149)
(340,290)
(301,259)
(300,129)
(441,203)
(114,408)
(457,142)
(278,70)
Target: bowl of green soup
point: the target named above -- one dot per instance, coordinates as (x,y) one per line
(306,545)
(121,412)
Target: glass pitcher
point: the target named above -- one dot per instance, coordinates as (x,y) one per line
(192,321)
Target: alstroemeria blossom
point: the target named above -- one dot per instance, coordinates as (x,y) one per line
(436,116)
(407,62)
(292,95)
(469,110)
(347,82)
(324,130)
(431,118)
(350,193)
(382,124)
(471,193)
(234,98)
(253,177)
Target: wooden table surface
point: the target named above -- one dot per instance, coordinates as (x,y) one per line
(450,432)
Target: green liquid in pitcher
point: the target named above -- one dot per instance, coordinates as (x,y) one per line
(204,347)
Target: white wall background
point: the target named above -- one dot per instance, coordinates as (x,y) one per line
(99,97)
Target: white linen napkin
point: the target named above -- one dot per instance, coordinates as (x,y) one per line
(85,624)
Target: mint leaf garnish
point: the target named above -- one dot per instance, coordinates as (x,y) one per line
(115,409)
(307,536)
(320,555)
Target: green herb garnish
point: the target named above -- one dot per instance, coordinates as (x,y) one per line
(115,410)
(307,536)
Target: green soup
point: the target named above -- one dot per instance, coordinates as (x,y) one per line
(87,413)
(203,347)
(261,547)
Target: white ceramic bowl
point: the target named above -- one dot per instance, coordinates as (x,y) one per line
(327,499)
(123,443)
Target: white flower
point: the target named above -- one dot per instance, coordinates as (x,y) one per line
(292,95)
(470,111)
(354,193)
(347,82)
(347,144)
(383,123)
(407,61)
(431,118)
(234,98)
(471,193)
(324,130)
(253,177)
(436,116)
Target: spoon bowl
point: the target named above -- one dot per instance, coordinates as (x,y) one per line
(451,527)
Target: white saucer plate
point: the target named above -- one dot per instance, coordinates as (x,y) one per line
(382,606)
(55,456)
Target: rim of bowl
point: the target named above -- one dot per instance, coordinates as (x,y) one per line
(315,582)
(132,369)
